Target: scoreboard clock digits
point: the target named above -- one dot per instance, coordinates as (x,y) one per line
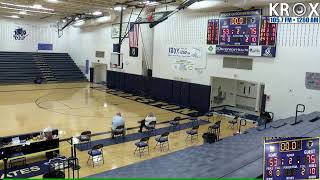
(238,21)
(290,146)
(291,158)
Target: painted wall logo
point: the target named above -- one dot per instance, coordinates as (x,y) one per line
(20,34)
(299,12)
(23,172)
(184,52)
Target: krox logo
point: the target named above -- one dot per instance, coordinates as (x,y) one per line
(298,9)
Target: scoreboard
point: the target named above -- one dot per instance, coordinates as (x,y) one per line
(268,32)
(241,30)
(291,158)
(242,33)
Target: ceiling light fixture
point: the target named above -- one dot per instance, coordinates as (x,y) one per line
(118,8)
(53,1)
(35,6)
(97,13)
(205,4)
(14,16)
(23,12)
(150,3)
(27,10)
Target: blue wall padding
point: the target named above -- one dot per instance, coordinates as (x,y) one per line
(185,94)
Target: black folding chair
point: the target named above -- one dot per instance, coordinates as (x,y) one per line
(175,123)
(215,128)
(96,154)
(151,128)
(120,131)
(162,141)
(85,138)
(192,134)
(142,146)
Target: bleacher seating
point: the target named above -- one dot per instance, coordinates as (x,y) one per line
(17,67)
(63,67)
(22,67)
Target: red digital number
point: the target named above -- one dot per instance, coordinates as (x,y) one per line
(254,39)
(312,171)
(226,31)
(273,162)
(253,30)
(311,158)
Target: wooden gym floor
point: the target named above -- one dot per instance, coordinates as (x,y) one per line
(75,107)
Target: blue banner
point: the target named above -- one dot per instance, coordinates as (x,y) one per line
(232,50)
(87,67)
(45,47)
(268,51)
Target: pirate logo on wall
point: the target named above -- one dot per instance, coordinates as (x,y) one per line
(20,34)
(133,52)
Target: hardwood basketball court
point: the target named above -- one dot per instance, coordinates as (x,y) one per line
(75,107)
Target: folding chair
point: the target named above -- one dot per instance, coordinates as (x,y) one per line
(142,146)
(96,154)
(163,140)
(192,134)
(175,123)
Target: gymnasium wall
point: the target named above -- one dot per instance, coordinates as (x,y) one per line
(298,47)
(40,31)
(85,41)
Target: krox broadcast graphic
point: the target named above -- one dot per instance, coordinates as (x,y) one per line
(245,33)
(291,158)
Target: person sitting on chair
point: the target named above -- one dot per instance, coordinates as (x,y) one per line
(145,123)
(117,121)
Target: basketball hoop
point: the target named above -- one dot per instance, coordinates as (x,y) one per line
(149,10)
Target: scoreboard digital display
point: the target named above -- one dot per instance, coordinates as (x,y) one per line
(213,31)
(248,29)
(268,32)
(291,158)
(239,30)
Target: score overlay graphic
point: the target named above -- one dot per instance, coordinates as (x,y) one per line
(291,158)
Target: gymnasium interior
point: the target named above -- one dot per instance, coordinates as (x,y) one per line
(216,77)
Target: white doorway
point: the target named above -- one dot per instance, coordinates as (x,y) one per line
(100,72)
(234,93)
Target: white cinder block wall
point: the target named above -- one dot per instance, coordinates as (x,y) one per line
(38,32)
(298,48)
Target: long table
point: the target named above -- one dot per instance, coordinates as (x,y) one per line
(28,145)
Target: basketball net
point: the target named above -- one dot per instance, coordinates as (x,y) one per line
(149,10)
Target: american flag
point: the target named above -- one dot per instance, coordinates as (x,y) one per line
(134,35)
